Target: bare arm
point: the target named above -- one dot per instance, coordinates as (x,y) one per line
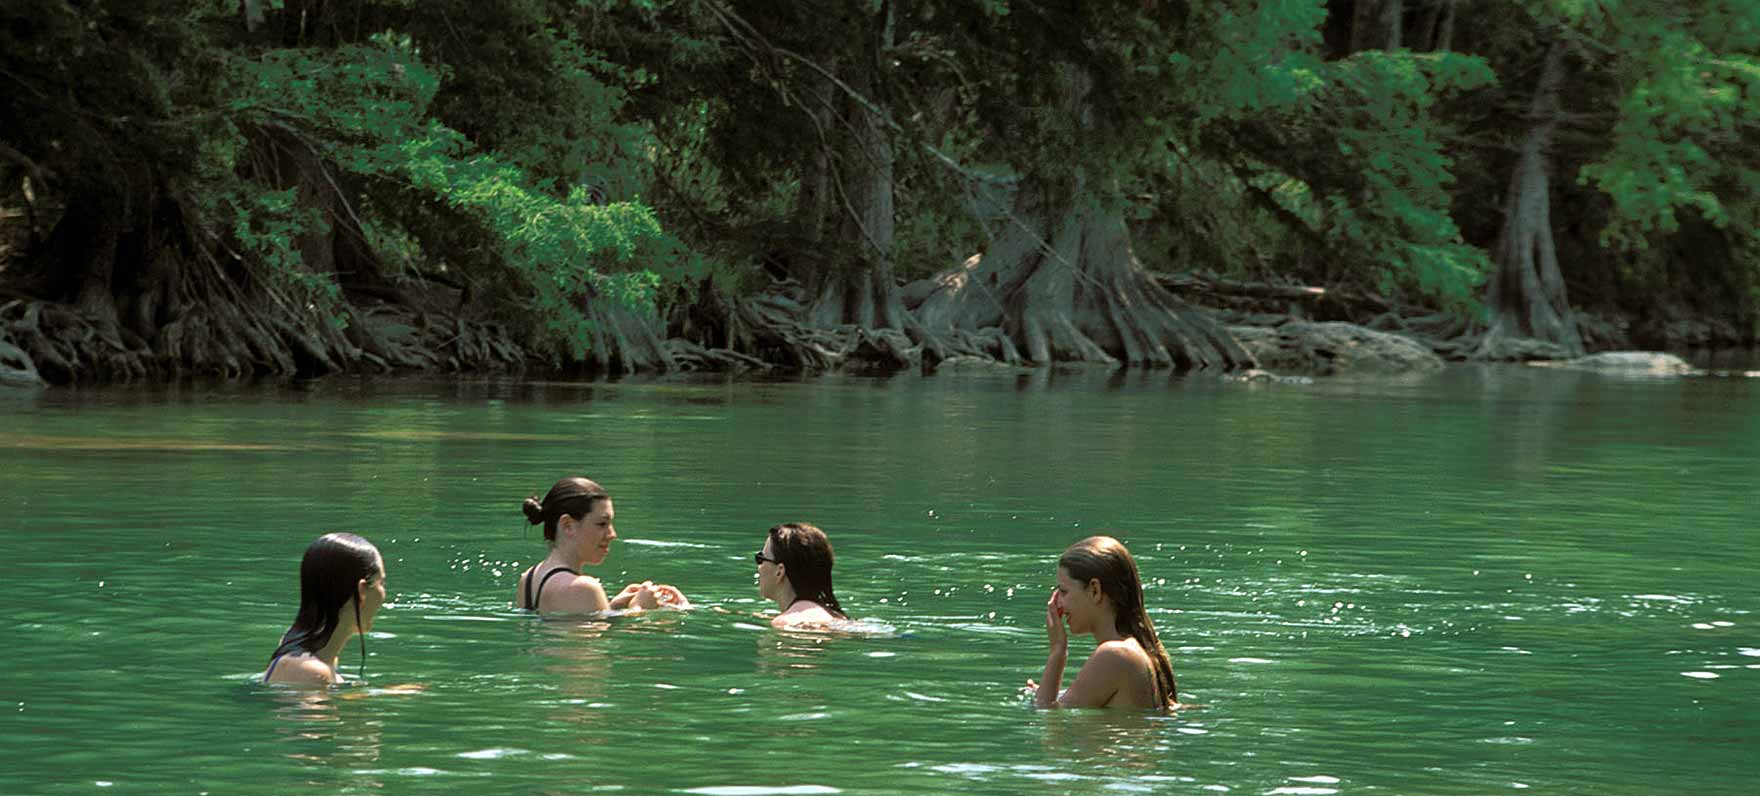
(1052,679)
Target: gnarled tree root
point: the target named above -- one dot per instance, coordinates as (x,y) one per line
(1077,296)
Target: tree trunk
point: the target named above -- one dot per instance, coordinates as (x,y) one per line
(1363,13)
(1445,36)
(1435,31)
(849,278)
(1393,22)
(1061,284)
(626,340)
(812,205)
(150,293)
(858,288)
(1377,25)
(1527,291)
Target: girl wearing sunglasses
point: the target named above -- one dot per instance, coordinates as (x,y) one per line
(794,569)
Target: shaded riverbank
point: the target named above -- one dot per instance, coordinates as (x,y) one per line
(1289,332)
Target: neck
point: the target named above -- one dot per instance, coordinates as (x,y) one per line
(339,638)
(1107,629)
(570,557)
(785,595)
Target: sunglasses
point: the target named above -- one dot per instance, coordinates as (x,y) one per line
(759,558)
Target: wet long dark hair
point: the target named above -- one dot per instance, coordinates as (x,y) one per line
(1105,559)
(329,575)
(805,555)
(573,496)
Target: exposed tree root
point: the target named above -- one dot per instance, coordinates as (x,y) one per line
(689,357)
(1075,295)
(62,343)
(625,341)
(397,337)
(715,331)
(133,283)
(218,323)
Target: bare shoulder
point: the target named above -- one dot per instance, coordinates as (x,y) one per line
(302,670)
(1128,665)
(1124,653)
(804,616)
(581,594)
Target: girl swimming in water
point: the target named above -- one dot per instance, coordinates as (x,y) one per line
(341,587)
(1099,593)
(577,517)
(794,569)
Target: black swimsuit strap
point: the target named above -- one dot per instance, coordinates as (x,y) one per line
(532,601)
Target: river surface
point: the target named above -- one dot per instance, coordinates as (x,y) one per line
(1487,581)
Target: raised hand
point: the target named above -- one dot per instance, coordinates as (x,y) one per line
(624,598)
(671,597)
(1046,689)
(1054,629)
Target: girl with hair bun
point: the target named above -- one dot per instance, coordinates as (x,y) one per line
(794,569)
(1099,593)
(341,587)
(577,517)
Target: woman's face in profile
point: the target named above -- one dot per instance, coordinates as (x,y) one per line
(596,531)
(1078,605)
(372,597)
(767,575)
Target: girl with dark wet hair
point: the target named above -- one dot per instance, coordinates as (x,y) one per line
(577,517)
(794,569)
(1099,593)
(341,587)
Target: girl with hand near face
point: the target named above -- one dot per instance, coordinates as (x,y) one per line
(794,569)
(341,587)
(1099,593)
(577,517)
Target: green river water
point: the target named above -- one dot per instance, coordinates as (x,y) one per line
(1488,581)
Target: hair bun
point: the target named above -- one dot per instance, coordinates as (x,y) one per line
(534,510)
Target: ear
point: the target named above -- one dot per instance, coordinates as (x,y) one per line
(1095,593)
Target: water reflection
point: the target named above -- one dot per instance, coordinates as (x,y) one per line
(576,658)
(46,442)
(337,742)
(782,653)
(1121,740)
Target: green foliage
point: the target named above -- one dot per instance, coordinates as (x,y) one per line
(267,225)
(1683,134)
(546,154)
(1255,57)
(1351,152)
(367,108)
(1399,214)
